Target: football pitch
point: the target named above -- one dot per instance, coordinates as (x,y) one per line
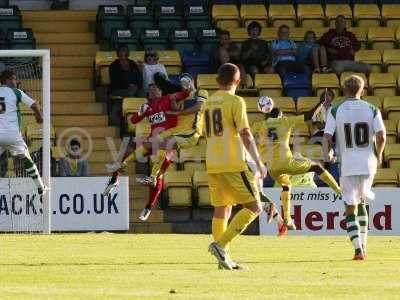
(128,266)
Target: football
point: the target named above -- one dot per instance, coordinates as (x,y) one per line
(265,104)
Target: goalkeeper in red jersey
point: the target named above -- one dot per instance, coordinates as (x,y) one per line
(161,122)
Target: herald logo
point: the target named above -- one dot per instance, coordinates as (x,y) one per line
(315,220)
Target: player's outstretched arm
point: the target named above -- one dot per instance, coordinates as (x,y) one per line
(249,143)
(38,113)
(308,116)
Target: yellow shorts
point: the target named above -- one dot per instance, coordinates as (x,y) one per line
(183,139)
(282,172)
(232,188)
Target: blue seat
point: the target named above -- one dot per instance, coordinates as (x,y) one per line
(268,181)
(297,85)
(197,62)
(10,18)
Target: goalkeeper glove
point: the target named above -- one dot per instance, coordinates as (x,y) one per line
(142,109)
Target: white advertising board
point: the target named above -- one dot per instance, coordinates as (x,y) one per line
(321,212)
(77,204)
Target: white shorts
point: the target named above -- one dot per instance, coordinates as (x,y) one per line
(356,188)
(13,142)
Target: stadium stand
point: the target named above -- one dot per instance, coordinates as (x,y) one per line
(187,39)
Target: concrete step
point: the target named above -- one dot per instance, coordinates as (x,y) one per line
(65,38)
(72,96)
(71,84)
(144,227)
(62,15)
(156,216)
(85,120)
(70,49)
(71,73)
(72,61)
(91,132)
(77,109)
(57,27)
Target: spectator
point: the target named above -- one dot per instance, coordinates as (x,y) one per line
(151,66)
(338,47)
(73,165)
(125,75)
(284,53)
(229,52)
(320,119)
(256,55)
(309,53)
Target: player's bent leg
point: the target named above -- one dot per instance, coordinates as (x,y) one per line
(326,177)
(33,172)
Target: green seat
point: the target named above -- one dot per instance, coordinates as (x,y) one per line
(182,40)
(208,39)
(140,17)
(197,17)
(155,38)
(10,18)
(126,37)
(169,17)
(20,39)
(109,17)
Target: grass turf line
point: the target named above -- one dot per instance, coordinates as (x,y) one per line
(125,266)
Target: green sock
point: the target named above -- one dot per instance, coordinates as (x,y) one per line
(362,216)
(353,230)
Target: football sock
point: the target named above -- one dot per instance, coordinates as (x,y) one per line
(155,193)
(362,217)
(353,230)
(141,151)
(218,227)
(238,224)
(285,199)
(329,180)
(157,163)
(32,171)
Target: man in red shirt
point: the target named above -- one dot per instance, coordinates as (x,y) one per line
(338,46)
(160,121)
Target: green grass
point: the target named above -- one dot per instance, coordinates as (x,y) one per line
(125,266)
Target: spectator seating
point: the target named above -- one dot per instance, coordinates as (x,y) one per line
(391,15)
(391,61)
(20,39)
(197,17)
(386,178)
(200,187)
(320,82)
(140,17)
(268,84)
(381,38)
(310,15)
(253,12)
(10,18)
(392,156)
(109,18)
(169,16)
(382,84)
(178,188)
(333,10)
(371,57)
(225,16)
(366,15)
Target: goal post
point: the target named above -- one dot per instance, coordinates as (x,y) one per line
(44,58)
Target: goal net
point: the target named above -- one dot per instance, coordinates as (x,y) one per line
(21,208)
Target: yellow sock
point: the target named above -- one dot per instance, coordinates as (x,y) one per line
(132,156)
(155,170)
(329,180)
(285,199)
(218,227)
(238,224)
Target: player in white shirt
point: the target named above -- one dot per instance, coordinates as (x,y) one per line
(361,137)
(10,120)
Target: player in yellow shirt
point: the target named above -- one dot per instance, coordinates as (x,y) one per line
(272,136)
(229,178)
